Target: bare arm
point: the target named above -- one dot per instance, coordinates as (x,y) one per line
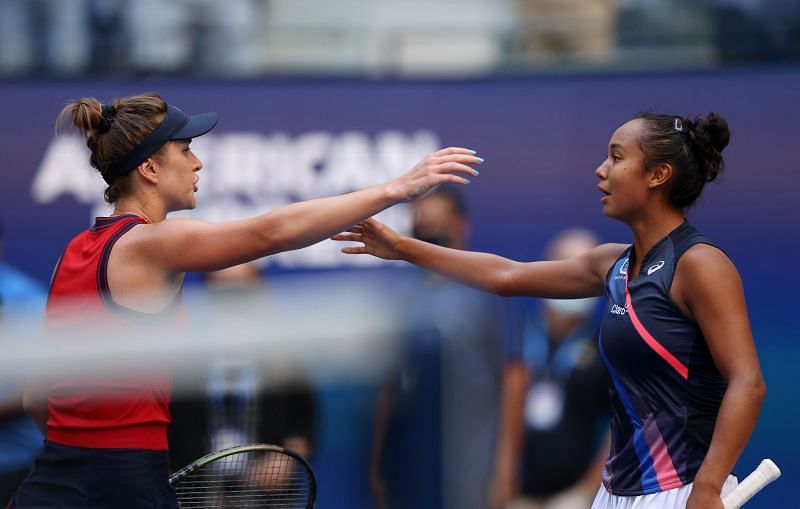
(34,401)
(187,245)
(709,286)
(383,412)
(582,276)
(503,485)
(590,482)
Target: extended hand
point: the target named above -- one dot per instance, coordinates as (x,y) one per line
(437,168)
(377,239)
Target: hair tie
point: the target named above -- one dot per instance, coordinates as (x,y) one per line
(678,124)
(107,113)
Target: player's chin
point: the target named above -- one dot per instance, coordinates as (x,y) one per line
(610,213)
(190,203)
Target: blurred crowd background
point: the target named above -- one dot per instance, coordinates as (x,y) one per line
(243,38)
(483,402)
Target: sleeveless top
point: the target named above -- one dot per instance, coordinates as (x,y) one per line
(665,388)
(114,408)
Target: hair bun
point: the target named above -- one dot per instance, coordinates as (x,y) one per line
(85,114)
(714,129)
(710,135)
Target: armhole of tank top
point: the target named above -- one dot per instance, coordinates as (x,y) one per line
(678,254)
(607,284)
(102,267)
(103,288)
(55,273)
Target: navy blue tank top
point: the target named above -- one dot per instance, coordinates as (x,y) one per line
(665,388)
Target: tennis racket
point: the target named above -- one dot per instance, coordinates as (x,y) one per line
(248,476)
(765,473)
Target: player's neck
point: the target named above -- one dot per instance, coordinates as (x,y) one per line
(148,211)
(649,230)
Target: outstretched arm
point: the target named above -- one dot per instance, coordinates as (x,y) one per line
(188,245)
(709,287)
(578,277)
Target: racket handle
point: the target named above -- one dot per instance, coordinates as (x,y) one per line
(766,472)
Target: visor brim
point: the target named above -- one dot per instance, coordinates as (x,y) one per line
(197,125)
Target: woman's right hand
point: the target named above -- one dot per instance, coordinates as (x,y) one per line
(377,239)
(437,168)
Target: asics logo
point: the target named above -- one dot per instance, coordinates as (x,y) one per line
(623,271)
(655,267)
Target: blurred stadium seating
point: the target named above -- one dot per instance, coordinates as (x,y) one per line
(385,38)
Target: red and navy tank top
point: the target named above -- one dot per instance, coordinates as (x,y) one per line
(113,409)
(665,388)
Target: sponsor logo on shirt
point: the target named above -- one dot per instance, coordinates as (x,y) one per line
(618,310)
(655,267)
(623,271)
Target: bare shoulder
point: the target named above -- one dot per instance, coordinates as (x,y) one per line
(602,257)
(706,278)
(168,227)
(705,263)
(152,238)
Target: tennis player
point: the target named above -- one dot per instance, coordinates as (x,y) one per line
(106,439)
(686,385)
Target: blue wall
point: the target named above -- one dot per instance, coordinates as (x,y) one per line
(542,139)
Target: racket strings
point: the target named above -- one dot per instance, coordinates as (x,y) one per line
(247,480)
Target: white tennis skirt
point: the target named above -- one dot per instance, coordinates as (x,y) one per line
(669,499)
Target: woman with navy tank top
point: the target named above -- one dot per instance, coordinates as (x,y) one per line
(686,386)
(106,443)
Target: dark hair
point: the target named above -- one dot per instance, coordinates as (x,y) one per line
(453,195)
(113,130)
(692,147)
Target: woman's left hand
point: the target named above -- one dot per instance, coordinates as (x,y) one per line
(704,498)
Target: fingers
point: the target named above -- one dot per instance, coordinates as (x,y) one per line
(460,158)
(458,167)
(455,150)
(464,159)
(351,237)
(457,163)
(354,250)
(348,237)
(457,155)
(449,177)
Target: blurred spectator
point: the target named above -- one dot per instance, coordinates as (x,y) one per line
(50,36)
(577,30)
(234,403)
(782,18)
(665,29)
(108,42)
(436,417)
(21,304)
(565,406)
(741,33)
(174,36)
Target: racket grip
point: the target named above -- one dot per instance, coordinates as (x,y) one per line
(766,472)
